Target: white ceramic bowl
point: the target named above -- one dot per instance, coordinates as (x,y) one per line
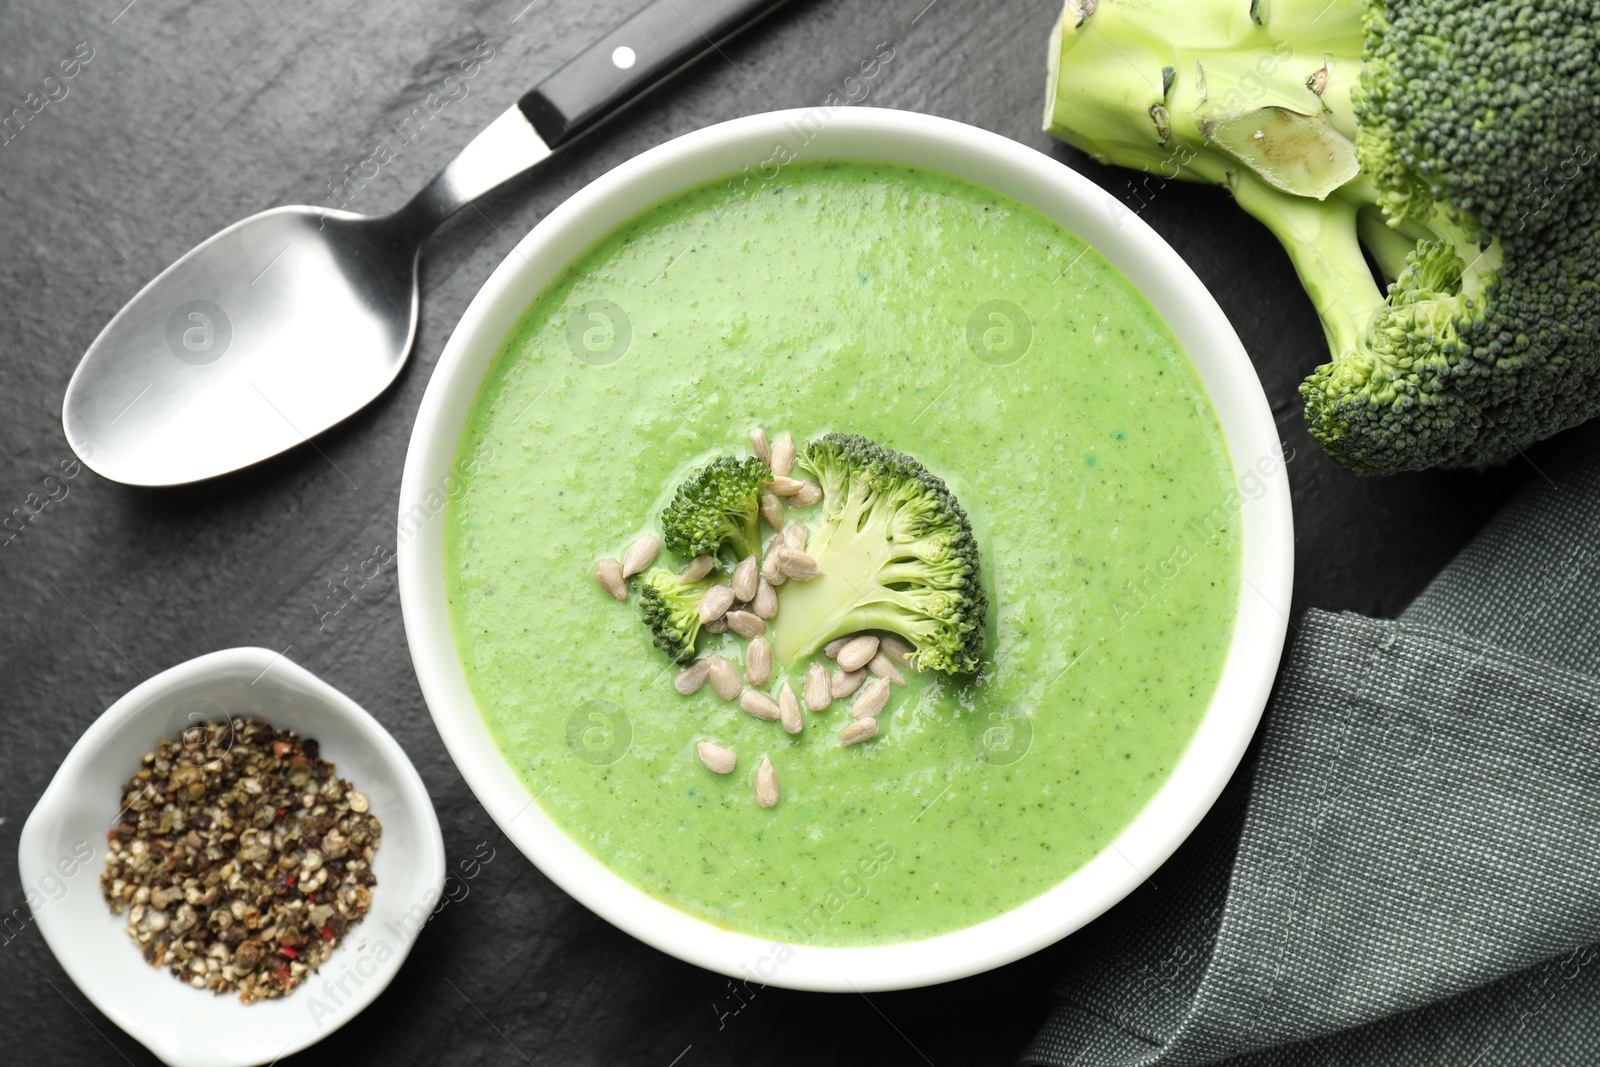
(63,848)
(1026,176)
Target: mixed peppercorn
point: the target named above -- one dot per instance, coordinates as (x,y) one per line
(240,858)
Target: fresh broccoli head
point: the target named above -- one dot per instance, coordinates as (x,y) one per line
(1445,137)
(896,554)
(717,507)
(672,611)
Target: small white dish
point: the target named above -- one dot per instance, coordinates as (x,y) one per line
(63,847)
(760,145)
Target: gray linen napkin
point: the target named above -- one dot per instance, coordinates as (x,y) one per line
(1410,872)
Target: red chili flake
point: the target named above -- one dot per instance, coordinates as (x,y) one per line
(283,974)
(327,932)
(111,835)
(290,952)
(282,748)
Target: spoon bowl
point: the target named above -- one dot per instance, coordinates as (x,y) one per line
(265,335)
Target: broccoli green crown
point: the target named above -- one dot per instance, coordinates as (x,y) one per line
(717,508)
(1442,137)
(1473,356)
(671,609)
(1476,106)
(897,554)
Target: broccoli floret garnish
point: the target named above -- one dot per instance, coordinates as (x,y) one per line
(1445,136)
(672,611)
(717,508)
(896,553)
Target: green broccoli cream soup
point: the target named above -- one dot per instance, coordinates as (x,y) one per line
(935,319)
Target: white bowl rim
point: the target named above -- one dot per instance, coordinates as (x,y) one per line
(1118,234)
(289,1032)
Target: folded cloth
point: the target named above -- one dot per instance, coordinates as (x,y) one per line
(1409,873)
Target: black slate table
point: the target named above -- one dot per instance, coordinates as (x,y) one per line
(189,115)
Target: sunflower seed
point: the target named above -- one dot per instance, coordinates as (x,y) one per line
(745,577)
(841,684)
(766,784)
(856,653)
(808,494)
(719,759)
(716,626)
(782,485)
(772,567)
(608,572)
(746,624)
(860,730)
(794,536)
(883,667)
(760,705)
(897,650)
(831,649)
(640,555)
(698,568)
(715,604)
(783,457)
(693,678)
(799,566)
(789,710)
(816,690)
(765,605)
(758,662)
(724,678)
(758,441)
(772,511)
(873,699)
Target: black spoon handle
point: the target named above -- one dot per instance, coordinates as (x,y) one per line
(652,45)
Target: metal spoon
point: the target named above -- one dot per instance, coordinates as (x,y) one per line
(286,323)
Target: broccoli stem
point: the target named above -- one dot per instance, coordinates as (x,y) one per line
(1224,64)
(1388,245)
(1322,242)
(814,612)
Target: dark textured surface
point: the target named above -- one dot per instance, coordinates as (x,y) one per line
(191,115)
